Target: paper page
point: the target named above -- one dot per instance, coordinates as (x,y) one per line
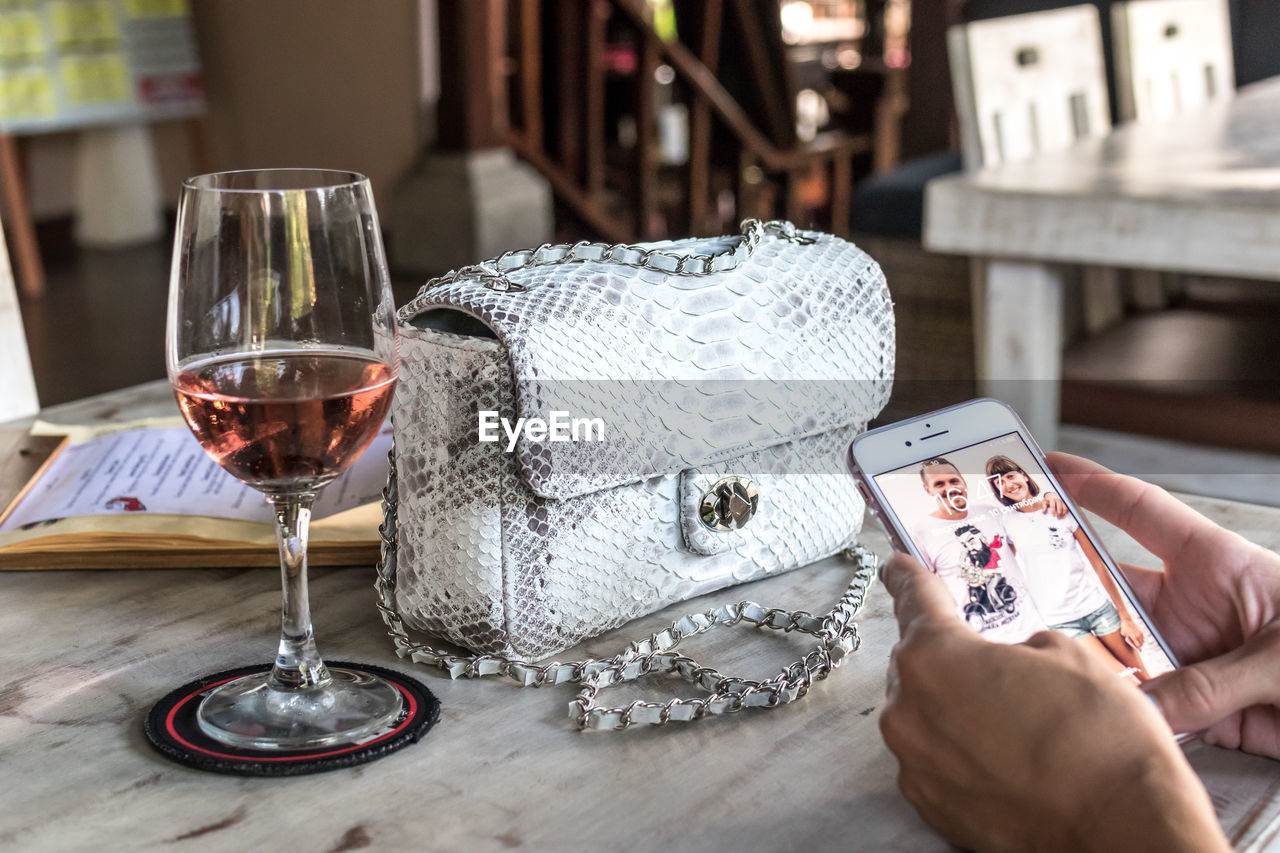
(1245,790)
(166,471)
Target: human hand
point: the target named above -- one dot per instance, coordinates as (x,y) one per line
(1035,746)
(1132,633)
(1054,505)
(1217,603)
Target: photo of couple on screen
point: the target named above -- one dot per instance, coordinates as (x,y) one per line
(1013,557)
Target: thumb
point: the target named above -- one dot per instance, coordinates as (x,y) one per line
(1196,696)
(919,596)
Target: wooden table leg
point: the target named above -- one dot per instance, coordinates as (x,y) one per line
(26,253)
(1018,340)
(1103,292)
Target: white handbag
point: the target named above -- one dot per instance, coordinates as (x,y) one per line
(670,419)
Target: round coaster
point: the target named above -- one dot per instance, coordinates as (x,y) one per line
(171,728)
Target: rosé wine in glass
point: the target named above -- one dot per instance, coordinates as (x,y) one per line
(284,422)
(281,349)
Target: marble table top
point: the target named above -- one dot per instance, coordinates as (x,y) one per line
(83,654)
(1198,193)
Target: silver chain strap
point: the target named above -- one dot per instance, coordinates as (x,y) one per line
(836,632)
(493,273)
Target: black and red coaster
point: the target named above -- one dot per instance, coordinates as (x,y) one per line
(171,728)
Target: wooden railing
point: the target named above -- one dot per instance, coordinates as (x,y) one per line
(575,74)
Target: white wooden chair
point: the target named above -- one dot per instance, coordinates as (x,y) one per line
(1171,56)
(1026,84)
(17,383)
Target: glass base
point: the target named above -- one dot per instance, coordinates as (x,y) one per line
(249,714)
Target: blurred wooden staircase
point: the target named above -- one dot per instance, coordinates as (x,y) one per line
(640,139)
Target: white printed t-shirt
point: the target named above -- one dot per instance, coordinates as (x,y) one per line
(1062,581)
(988,587)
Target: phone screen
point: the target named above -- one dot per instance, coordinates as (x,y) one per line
(1016,560)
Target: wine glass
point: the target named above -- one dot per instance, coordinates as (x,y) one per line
(281,349)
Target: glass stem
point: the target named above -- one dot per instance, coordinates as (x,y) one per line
(298,664)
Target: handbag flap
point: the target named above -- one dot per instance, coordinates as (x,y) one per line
(636,372)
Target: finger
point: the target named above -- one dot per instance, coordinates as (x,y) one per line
(1161,523)
(1146,583)
(1256,730)
(919,596)
(1199,695)
(1047,640)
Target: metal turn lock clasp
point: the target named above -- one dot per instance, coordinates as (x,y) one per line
(729,504)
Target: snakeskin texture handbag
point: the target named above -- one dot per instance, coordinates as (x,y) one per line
(586,433)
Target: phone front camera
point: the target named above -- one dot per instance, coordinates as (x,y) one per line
(908,444)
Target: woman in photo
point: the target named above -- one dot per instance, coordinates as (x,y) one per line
(1067,580)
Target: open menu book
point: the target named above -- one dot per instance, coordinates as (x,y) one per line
(149,497)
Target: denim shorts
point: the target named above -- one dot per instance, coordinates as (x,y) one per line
(1105,620)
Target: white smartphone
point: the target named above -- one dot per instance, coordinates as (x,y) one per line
(967,491)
